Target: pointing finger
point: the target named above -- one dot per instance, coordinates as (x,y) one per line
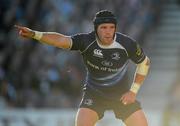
(17,26)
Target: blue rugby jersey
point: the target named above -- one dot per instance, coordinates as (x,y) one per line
(107,65)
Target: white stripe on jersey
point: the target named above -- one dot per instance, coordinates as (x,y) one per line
(88,46)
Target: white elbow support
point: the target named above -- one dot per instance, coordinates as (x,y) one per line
(37,35)
(143,67)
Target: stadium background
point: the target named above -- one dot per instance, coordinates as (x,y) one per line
(40,84)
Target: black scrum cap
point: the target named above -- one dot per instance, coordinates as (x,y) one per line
(104,16)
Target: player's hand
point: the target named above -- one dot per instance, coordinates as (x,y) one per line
(24,31)
(128,98)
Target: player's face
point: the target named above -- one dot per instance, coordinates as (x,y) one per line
(106,32)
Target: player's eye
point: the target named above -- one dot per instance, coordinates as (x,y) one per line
(111,27)
(103,27)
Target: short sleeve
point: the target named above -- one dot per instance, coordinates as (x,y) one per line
(78,42)
(136,53)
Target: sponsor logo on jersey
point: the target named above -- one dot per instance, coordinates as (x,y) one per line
(107,63)
(98,53)
(115,56)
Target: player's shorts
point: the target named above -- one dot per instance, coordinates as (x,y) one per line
(100,104)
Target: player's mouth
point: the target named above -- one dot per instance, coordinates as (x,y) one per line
(108,37)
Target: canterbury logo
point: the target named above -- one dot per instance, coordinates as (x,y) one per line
(98,53)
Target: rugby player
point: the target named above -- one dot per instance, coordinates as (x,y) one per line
(106,54)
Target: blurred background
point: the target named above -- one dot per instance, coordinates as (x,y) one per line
(41,84)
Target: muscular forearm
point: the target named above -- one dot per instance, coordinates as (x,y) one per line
(140,75)
(53,38)
(139,79)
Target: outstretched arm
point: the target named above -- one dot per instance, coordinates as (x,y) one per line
(50,38)
(139,77)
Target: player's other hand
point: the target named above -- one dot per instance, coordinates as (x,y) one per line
(128,98)
(24,31)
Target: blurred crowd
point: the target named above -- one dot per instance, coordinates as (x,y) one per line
(34,75)
(171,114)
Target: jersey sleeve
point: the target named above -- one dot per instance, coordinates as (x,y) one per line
(78,42)
(135,52)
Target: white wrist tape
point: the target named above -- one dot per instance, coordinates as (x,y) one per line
(135,88)
(38,35)
(143,67)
